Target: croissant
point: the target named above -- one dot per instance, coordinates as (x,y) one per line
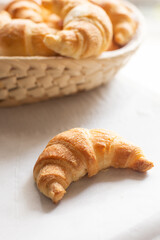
(21,37)
(87,30)
(25,9)
(29,9)
(4,18)
(122,18)
(74,153)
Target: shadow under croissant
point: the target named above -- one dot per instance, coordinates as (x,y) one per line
(76,188)
(107,176)
(34,200)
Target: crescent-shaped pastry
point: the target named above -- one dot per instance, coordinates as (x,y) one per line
(77,152)
(122,18)
(87,30)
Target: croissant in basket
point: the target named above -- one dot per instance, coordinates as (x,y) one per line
(25,9)
(122,18)
(29,9)
(21,37)
(87,27)
(77,152)
(23,26)
(87,30)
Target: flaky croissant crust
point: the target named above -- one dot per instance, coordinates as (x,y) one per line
(22,37)
(77,152)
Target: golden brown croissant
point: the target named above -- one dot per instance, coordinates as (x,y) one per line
(21,37)
(4,18)
(29,9)
(87,30)
(25,9)
(74,153)
(123,20)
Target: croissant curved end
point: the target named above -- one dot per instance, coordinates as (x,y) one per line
(61,44)
(142,165)
(120,39)
(56,192)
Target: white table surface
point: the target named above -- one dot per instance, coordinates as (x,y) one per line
(116,204)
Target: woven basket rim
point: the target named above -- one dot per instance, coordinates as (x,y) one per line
(133,44)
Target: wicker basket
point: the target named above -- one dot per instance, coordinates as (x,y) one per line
(33,79)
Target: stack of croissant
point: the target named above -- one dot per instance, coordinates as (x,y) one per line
(72,28)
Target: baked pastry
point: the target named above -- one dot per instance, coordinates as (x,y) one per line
(25,9)
(74,153)
(29,9)
(22,37)
(87,30)
(122,18)
(4,18)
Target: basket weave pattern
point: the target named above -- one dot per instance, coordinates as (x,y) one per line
(29,80)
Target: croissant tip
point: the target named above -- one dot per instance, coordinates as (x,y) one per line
(143,165)
(57,197)
(56,192)
(119,39)
(50,40)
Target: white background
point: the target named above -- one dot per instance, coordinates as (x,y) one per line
(116,204)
